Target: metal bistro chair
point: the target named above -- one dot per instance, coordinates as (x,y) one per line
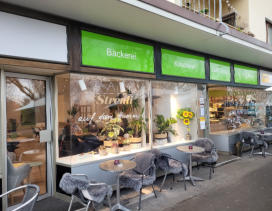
(253,140)
(143,174)
(169,165)
(31,193)
(209,157)
(85,191)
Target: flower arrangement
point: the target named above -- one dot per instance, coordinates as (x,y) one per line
(186,115)
(112,128)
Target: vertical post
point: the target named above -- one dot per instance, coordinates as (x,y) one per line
(199,6)
(209,8)
(214,9)
(194,6)
(181,1)
(190,4)
(3,154)
(220,10)
(203,6)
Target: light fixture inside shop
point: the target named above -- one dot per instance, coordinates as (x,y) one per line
(122,87)
(268,89)
(82,85)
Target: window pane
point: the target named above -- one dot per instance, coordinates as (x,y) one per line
(102,115)
(167,99)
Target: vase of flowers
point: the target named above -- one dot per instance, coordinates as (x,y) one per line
(186,115)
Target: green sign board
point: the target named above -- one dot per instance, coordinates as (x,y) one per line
(245,75)
(182,64)
(109,52)
(219,71)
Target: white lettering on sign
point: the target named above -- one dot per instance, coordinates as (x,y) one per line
(128,116)
(102,99)
(105,117)
(121,54)
(86,119)
(184,65)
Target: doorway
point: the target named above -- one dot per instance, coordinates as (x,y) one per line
(28,115)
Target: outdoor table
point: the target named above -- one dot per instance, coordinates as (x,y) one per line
(263,136)
(111,167)
(195,149)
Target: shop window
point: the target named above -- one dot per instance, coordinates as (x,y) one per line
(233,109)
(102,116)
(174,111)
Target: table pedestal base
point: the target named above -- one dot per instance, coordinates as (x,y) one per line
(119,207)
(193,179)
(263,154)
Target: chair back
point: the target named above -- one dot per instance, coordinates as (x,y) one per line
(71,184)
(248,137)
(161,159)
(31,194)
(205,143)
(144,161)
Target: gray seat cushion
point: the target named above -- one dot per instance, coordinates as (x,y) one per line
(131,179)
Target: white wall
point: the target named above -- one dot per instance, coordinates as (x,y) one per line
(258,11)
(30,38)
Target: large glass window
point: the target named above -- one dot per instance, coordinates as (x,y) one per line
(175,110)
(233,108)
(101,116)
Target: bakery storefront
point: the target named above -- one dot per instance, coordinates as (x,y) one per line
(102,95)
(104,117)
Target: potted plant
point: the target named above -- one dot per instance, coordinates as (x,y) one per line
(186,115)
(164,126)
(137,126)
(112,130)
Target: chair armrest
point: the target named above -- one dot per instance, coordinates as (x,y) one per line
(13,190)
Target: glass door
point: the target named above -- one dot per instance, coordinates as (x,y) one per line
(27,114)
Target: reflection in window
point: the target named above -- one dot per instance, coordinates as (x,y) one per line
(26,117)
(101,115)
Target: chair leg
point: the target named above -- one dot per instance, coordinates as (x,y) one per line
(71,202)
(210,176)
(109,201)
(173,182)
(242,148)
(252,149)
(154,191)
(165,175)
(184,181)
(140,200)
(88,205)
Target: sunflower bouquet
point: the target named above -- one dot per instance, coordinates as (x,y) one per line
(186,115)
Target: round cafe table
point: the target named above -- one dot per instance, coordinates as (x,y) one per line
(123,166)
(195,149)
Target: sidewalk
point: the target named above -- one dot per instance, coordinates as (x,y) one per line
(244,185)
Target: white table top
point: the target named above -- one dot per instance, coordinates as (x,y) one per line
(195,149)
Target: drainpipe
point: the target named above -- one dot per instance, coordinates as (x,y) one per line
(221,22)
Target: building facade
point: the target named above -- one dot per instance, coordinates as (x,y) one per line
(71,72)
